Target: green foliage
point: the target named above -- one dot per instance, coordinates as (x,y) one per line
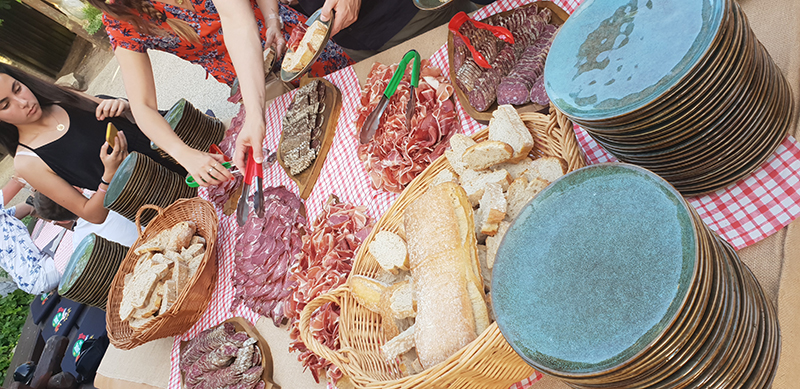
(94,17)
(13,312)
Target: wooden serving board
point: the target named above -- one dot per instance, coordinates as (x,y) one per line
(558,18)
(330,117)
(242,324)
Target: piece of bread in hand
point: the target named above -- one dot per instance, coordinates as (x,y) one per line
(520,198)
(390,251)
(476,186)
(515,169)
(459,143)
(493,208)
(506,126)
(547,168)
(486,154)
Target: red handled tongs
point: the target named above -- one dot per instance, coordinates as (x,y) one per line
(500,32)
(252,169)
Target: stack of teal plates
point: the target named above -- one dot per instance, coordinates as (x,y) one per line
(683,89)
(609,279)
(138,181)
(88,275)
(198,130)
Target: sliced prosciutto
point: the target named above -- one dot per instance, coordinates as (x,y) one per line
(324,264)
(396,155)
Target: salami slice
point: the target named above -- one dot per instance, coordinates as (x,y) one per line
(539,94)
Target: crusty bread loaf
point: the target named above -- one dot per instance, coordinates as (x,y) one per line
(443,257)
(506,126)
(486,154)
(390,251)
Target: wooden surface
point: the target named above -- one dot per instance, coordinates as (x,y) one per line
(559,16)
(330,117)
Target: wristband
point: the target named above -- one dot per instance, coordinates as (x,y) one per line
(103,181)
(275,16)
(101,190)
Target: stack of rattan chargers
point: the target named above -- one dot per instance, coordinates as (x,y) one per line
(88,275)
(606,312)
(711,120)
(139,180)
(198,130)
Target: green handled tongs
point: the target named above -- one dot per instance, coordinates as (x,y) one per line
(370,125)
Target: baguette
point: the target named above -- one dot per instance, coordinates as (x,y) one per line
(443,258)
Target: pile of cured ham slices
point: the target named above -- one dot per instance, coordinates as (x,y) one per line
(397,154)
(324,264)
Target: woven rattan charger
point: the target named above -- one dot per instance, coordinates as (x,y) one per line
(192,300)
(488,361)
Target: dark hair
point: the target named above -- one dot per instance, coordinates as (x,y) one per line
(48,94)
(50,210)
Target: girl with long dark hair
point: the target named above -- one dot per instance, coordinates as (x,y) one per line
(57,139)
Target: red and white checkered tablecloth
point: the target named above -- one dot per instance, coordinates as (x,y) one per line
(743,213)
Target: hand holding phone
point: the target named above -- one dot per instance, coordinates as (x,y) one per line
(111,134)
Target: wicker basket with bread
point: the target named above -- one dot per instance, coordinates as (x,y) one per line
(416,310)
(165,281)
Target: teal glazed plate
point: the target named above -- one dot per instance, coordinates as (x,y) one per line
(594,270)
(175,114)
(120,179)
(613,57)
(77,264)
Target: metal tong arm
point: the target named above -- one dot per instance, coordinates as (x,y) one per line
(401,71)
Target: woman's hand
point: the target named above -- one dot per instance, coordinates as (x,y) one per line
(274,35)
(111,108)
(346,13)
(206,168)
(250,138)
(118,154)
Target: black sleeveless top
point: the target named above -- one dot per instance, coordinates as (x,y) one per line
(75,156)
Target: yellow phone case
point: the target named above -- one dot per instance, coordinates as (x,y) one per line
(111,134)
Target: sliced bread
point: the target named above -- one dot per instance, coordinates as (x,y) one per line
(398,344)
(476,186)
(493,207)
(521,197)
(486,154)
(515,169)
(400,299)
(547,168)
(446,175)
(367,291)
(390,251)
(506,126)
(493,243)
(459,143)
(486,273)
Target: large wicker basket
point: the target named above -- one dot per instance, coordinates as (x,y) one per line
(192,300)
(487,362)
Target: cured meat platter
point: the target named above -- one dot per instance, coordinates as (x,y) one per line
(332,103)
(243,325)
(558,16)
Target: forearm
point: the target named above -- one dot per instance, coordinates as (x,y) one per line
(156,128)
(243,42)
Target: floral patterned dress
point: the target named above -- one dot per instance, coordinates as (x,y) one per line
(211,53)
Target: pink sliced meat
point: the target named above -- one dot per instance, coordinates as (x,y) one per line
(539,94)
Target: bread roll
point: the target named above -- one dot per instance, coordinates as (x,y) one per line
(443,258)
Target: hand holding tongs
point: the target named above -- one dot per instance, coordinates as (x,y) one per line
(500,32)
(252,169)
(370,125)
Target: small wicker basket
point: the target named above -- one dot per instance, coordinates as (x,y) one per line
(488,361)
(193,299)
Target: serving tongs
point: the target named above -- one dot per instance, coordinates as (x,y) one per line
(252,169)
(500,32)
(370,125)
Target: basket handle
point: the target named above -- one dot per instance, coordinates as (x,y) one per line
(334,356)
(139,215)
